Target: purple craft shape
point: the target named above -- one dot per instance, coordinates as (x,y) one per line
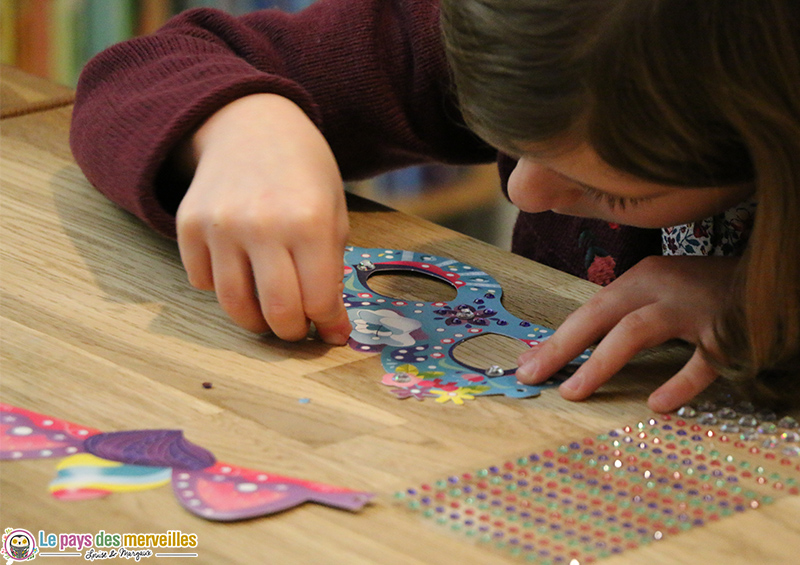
(29,435)
(154,448)
(226,493)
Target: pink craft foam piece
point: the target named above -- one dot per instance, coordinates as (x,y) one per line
(82,493)
(29,435)
(226,493)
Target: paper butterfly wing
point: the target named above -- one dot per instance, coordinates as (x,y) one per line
(227,493)
(29,435)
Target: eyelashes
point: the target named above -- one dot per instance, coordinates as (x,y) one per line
(612,201)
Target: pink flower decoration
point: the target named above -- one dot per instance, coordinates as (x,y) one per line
(601,271)
(474,378)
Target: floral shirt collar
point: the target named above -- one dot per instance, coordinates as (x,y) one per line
(725,234)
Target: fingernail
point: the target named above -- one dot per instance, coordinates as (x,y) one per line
(527,355)
(337,338)
(339,333)
(527,372)
(572,384)
(344,331)
(660,401)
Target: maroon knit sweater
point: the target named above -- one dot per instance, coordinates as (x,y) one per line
(370,73)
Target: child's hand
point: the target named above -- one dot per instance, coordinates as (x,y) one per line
(264,222)
(659,299)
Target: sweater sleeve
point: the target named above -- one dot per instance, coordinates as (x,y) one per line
(370,73)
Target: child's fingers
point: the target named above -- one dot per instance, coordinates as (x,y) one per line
(196,259)
(336,329)
(687,383)
(639,330)
(581,329)
(320,276)
(279,293)
(234,285)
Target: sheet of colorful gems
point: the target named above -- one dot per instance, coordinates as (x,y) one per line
(602,495)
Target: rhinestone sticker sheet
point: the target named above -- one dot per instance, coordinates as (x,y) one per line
(600,496)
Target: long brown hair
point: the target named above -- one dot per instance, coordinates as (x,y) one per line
(680,92)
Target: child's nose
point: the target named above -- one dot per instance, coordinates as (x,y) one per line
(535,188)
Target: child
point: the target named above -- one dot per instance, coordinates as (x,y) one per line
(233,134)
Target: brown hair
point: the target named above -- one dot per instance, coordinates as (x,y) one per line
(680,92)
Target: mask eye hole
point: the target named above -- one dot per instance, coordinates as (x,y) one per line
(488,350)
(411,285)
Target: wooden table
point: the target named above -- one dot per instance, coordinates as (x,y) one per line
(100,327)
(23,93)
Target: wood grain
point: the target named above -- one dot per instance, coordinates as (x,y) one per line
(22,93)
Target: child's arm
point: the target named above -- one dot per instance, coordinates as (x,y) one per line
(370,75)
(659,299)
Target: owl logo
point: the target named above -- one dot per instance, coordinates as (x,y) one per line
(18,545)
